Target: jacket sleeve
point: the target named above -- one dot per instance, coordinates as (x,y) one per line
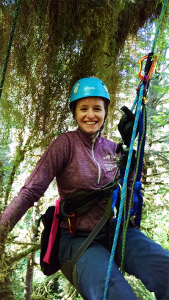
(48,167)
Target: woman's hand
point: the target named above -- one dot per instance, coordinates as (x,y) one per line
(122,161)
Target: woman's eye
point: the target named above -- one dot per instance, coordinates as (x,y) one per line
(94,109)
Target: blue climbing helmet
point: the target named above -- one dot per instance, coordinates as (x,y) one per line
(89,87)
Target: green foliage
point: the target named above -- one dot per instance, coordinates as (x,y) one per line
(18,280)
(139,289)
(54,287)
(55,44)
(50,52)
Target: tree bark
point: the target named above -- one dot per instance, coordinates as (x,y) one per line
(29,276)
(31,258)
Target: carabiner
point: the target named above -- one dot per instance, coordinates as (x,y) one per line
(146,78)
(72,223)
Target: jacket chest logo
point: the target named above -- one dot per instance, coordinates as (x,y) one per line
(109,162)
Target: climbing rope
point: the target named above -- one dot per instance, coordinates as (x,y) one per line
(126,222)
(18,5)
(144,84)
(138,102)
(123,193)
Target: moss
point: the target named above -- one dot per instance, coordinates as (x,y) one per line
(50,33)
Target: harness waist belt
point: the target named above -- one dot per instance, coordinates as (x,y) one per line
(84,199)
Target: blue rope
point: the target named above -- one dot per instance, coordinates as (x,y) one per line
(137,101)
(123,195)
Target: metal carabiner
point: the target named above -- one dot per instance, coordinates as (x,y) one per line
(72,224)
(146,78)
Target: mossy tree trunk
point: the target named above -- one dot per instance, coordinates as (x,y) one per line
(31,258)
(29,276)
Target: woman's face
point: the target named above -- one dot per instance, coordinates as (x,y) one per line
(90,114)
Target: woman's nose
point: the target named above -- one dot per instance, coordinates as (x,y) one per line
(90,113)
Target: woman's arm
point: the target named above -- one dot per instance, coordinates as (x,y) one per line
(50,164)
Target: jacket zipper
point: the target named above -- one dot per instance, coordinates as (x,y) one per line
(96,161)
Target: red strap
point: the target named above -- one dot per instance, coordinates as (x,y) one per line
(53,232)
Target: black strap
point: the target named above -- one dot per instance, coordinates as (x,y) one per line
(71,204)
(92,235)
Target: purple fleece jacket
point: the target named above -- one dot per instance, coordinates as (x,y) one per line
(78,164)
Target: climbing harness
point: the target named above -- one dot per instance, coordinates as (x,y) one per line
(18,5)
(140,114)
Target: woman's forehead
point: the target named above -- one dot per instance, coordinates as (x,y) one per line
(91,101)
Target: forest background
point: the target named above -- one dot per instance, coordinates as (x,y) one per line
(55,44)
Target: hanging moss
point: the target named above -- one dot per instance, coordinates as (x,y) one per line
(58,42)
(55,44)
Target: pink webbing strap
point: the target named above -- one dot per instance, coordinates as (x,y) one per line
(53,232)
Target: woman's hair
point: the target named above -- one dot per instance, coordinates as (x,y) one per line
(74,103)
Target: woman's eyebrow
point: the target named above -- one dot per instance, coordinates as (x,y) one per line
(85,105)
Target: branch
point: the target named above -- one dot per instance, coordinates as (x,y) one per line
(162,140)
(148,228)
(19,157)
(159,155)
(156,174)
(166,67)
(157,182)
(26,244)
(23,254)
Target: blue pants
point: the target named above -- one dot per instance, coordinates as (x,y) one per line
(144,259)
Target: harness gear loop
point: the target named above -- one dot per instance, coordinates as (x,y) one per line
(72,224)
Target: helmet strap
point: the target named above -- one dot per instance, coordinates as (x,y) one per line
(99,131)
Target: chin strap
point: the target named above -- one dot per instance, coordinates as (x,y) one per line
(99,131)
(102,127)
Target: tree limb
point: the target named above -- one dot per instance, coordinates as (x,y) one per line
(23,254)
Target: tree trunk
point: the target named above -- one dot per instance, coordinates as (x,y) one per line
(31,257)
(29,276)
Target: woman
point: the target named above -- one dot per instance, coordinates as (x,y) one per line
(83,160)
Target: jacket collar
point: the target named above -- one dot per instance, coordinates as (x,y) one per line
(86,139)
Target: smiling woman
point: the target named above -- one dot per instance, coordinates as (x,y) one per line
(90,114)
